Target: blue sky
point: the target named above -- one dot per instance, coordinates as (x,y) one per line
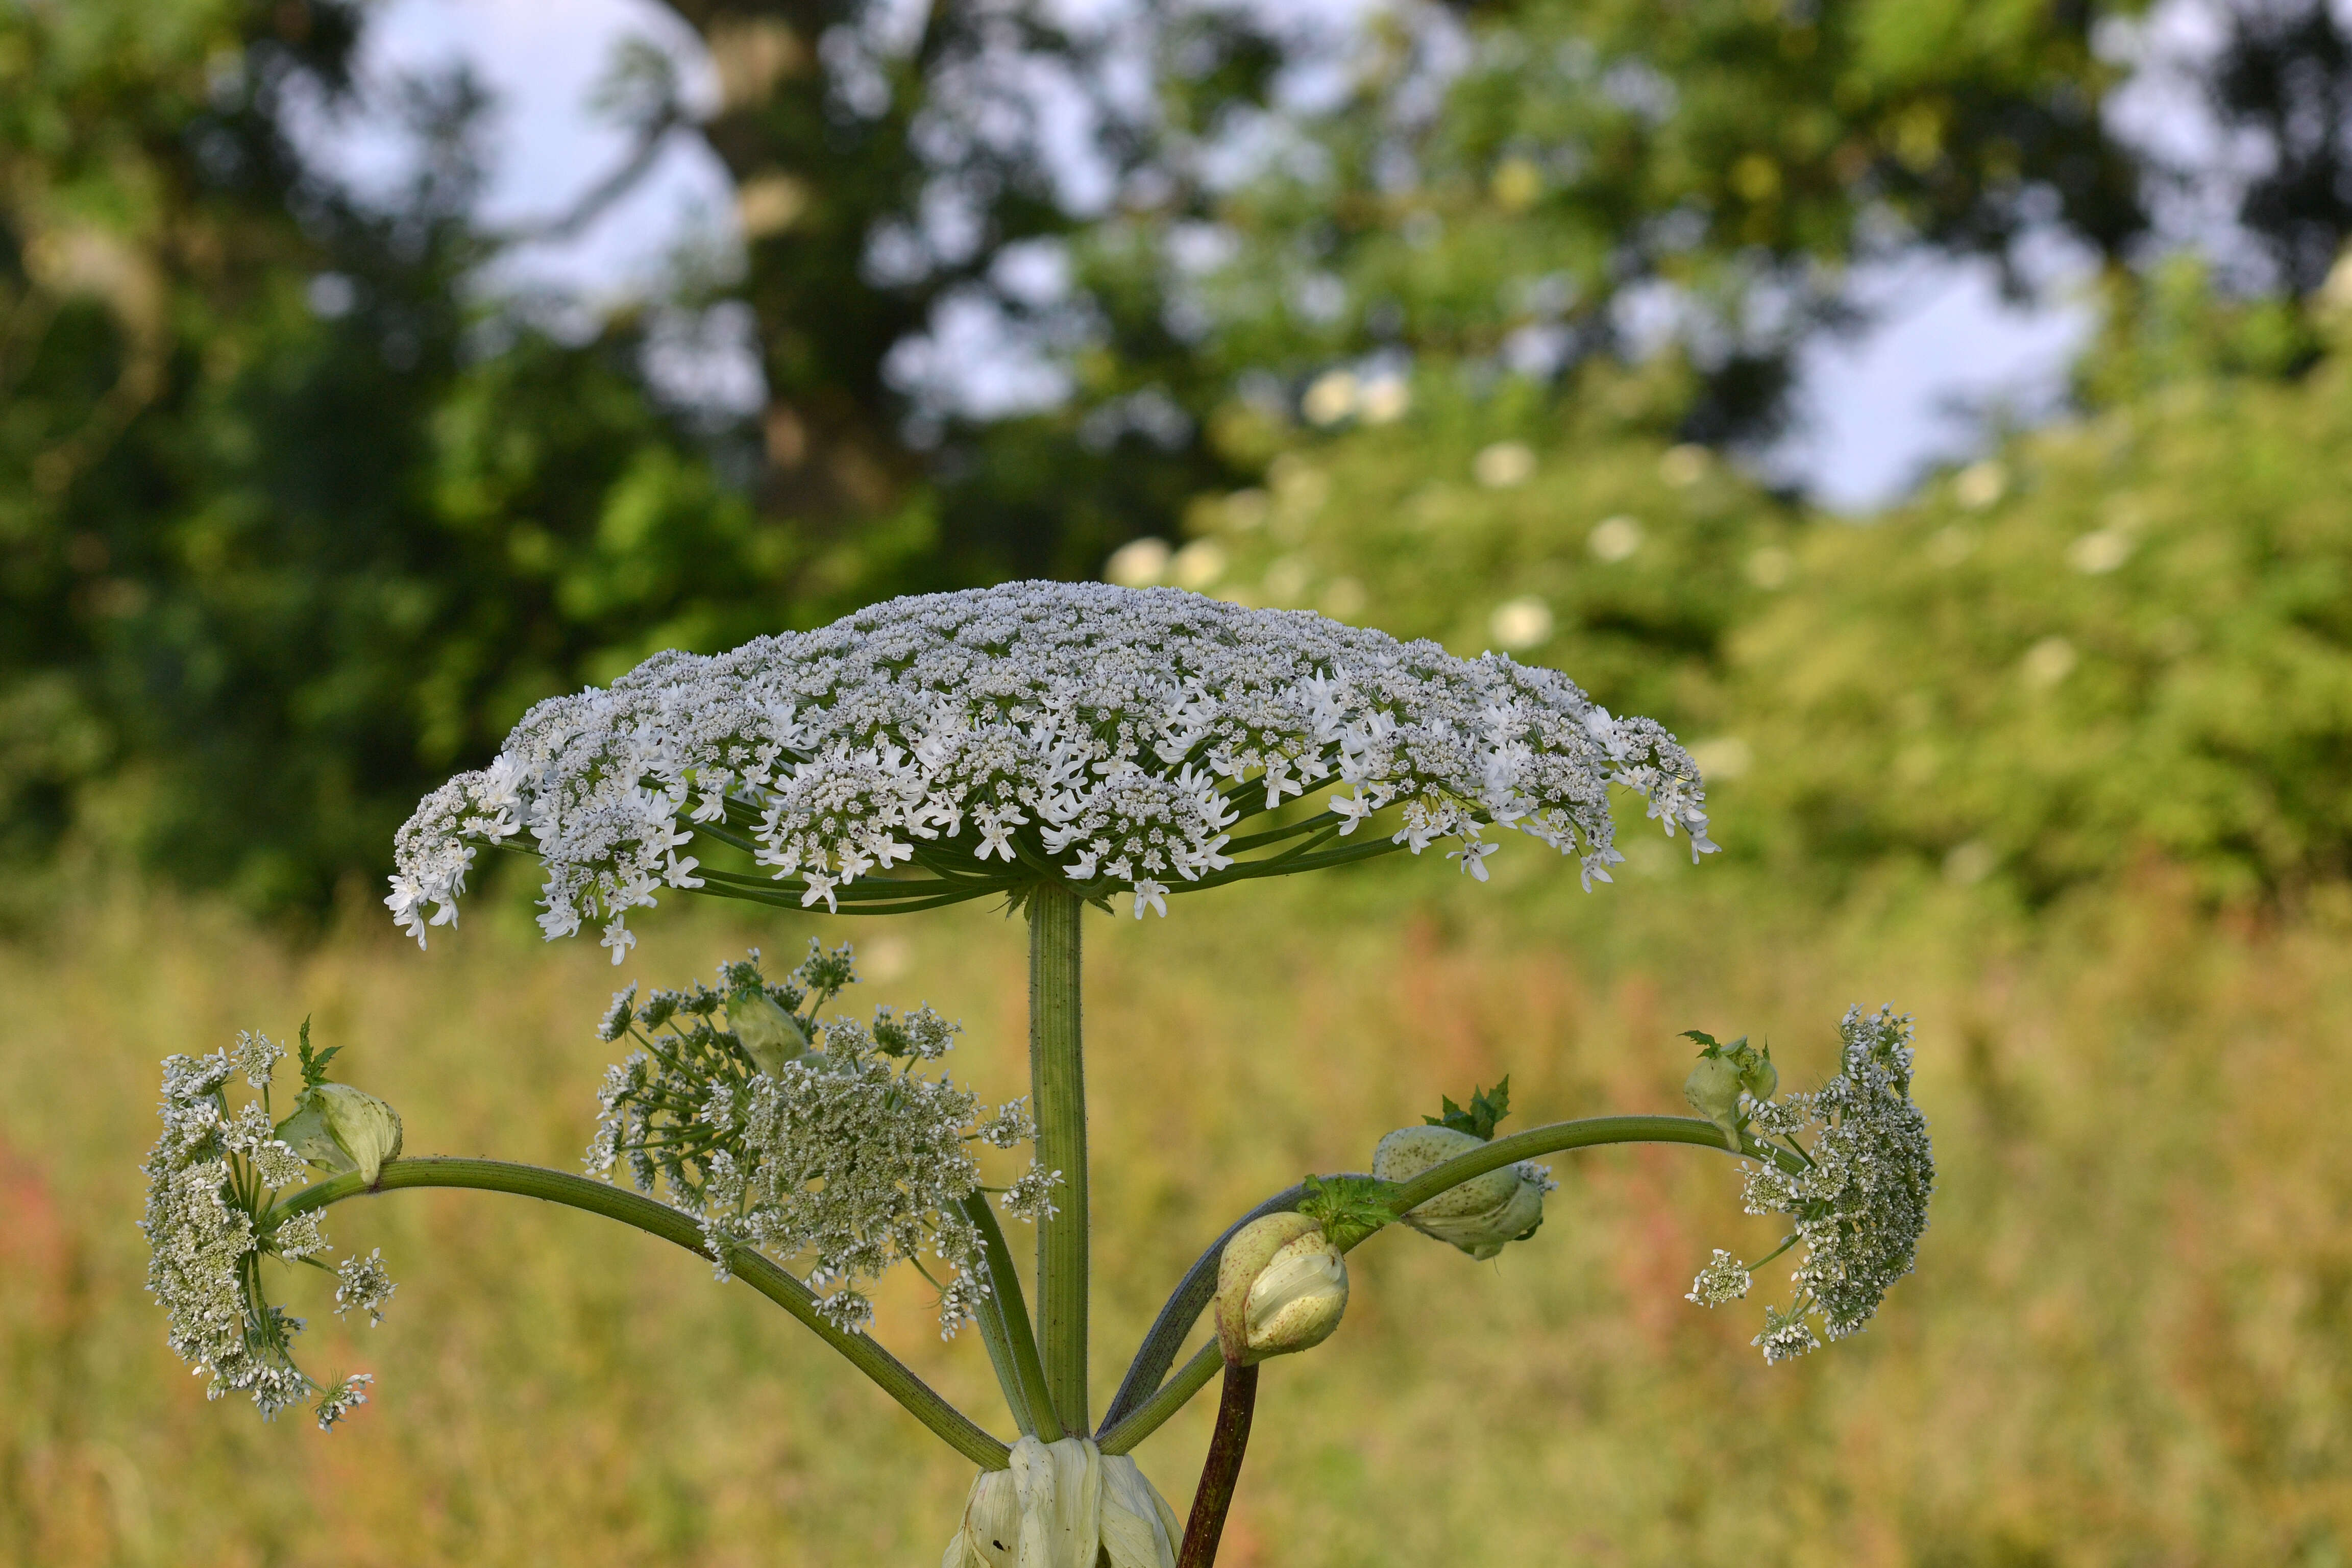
(1875,409)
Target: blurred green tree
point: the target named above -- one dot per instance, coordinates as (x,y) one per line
(2125,636)
(289,524)
(1533,184)
(293,517)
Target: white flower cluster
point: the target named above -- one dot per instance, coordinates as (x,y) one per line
(945,747)
(1859,1197)
(362,1286)
(845,1153)
(1724,1278)
(211,1180)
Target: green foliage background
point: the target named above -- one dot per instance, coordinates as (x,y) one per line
(2127,636)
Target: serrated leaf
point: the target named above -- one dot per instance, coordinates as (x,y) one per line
(1349,1208)
(1487,1112)
(314,1066)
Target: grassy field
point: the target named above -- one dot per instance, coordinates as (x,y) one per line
(2129,1340)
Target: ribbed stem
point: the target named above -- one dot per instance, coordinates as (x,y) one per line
(1057,1086)
(998,1342)
(1221,1470)
(893,1376)
(1025,1388)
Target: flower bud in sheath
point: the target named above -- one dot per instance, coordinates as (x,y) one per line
(1481,1215)
(342,1129)
(1064,1505)
(305,1132)
(1713,1090)
(1757,1076)
(1281,1286)
(771,1034)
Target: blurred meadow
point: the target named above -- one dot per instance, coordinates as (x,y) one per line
(2129,1338)
(1484,324)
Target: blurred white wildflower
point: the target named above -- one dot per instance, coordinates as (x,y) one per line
(934,748)
(1614,539)
(212,1178)
(1504,465)
(1858,1197)
(846,1153)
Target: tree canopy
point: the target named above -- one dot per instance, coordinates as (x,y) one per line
(297,514)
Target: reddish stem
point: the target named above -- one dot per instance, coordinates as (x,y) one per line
(1221,1469)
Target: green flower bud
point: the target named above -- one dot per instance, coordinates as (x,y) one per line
(342,1129)
(1757,1076)
(1713,1090)
(1064,1505)
(1483,1215)
(771,1034)
(1281,1288)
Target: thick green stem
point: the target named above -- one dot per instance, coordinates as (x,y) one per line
(1144,1403)
(1057,1083)
(1033,1405)
(888,1372)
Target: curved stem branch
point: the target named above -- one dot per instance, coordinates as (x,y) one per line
(1221,1470)
(1559,1137)
(847,907)
(1173,1396)
(1032,1405)
(996,1338)
(1185,1304)
(1143,1402)
(1281,865)
(887,1372)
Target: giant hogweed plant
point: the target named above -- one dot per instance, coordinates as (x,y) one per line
(1058,749)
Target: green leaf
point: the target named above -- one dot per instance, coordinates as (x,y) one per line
(1711,1046)
(314,1066)
(1349,1208)
(1487,1109)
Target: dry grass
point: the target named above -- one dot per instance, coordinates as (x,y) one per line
(2129,1341)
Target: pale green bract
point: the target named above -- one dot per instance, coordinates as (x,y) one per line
(1109,739)
(1064,1505)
